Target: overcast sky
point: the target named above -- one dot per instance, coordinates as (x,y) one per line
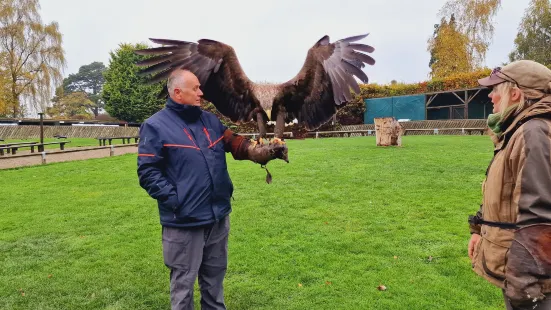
(271,38)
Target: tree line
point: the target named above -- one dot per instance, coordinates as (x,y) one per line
(461,39)
(32,60)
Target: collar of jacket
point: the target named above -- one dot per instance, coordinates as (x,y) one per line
(186,111)
(497,120)
(539,108)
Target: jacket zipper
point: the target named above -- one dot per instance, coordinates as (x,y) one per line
(208,167)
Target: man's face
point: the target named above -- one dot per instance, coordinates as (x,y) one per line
(190,93)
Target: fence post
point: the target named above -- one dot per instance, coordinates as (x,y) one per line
(43,158)
(436,131)
(41,127)
(112,150)
(463,131)
(317,134)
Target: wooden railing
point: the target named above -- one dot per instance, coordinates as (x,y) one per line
(371,132)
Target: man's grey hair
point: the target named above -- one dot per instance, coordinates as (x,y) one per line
(176,80)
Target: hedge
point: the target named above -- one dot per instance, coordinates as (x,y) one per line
(457,81)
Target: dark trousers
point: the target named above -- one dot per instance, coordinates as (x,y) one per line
(540,305)
(192,253)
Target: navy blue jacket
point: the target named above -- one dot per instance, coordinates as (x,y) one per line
(182,164)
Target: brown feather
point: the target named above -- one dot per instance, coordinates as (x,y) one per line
(352,69)
(156,50)
(362,47)
(355,38)
(359,56)
(325,81)
(215,64)
(154,60)
(169,42)
(157,67)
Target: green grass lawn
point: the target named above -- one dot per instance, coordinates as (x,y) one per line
(341,219)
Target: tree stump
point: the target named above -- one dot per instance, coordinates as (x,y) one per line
(388,131)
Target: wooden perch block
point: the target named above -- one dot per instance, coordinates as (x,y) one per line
(388,131)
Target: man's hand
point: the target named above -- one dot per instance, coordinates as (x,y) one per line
(475,239)
(263,153)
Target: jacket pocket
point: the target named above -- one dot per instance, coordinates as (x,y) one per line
(493,259)
(171,204)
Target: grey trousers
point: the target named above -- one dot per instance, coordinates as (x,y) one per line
(543,304)
(192,253)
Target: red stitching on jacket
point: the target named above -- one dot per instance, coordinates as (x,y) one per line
(205,130)
(213,144)
(194,146)
(190,138)
(208,135)
(182,146)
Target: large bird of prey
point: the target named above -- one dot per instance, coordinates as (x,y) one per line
(312,97)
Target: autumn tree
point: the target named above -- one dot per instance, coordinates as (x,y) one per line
(74,105)
(474,19)
(33,58)
(449,50)
(125,93)
(533,40)
(89,79)
(4,93)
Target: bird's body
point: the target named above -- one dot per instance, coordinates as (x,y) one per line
(266,94)
(312,97)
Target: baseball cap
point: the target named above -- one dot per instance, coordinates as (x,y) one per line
(526,74)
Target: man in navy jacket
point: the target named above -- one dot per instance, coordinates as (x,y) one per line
(182,164)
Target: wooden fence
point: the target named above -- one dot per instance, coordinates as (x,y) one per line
(445,127)
(449,127)
(33,132)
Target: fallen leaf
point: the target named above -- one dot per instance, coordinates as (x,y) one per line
(299,285)
(81,237)
(327,283)
(23,294)
(50,276)
(381,288)
(395,257)
(326,223)
(430,258)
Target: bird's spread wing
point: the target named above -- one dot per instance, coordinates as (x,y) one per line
(324,82)
(215,64)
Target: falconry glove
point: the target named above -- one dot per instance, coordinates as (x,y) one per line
(263,153)
(246,149)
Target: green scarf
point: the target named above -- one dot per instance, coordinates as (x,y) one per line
(495,120)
